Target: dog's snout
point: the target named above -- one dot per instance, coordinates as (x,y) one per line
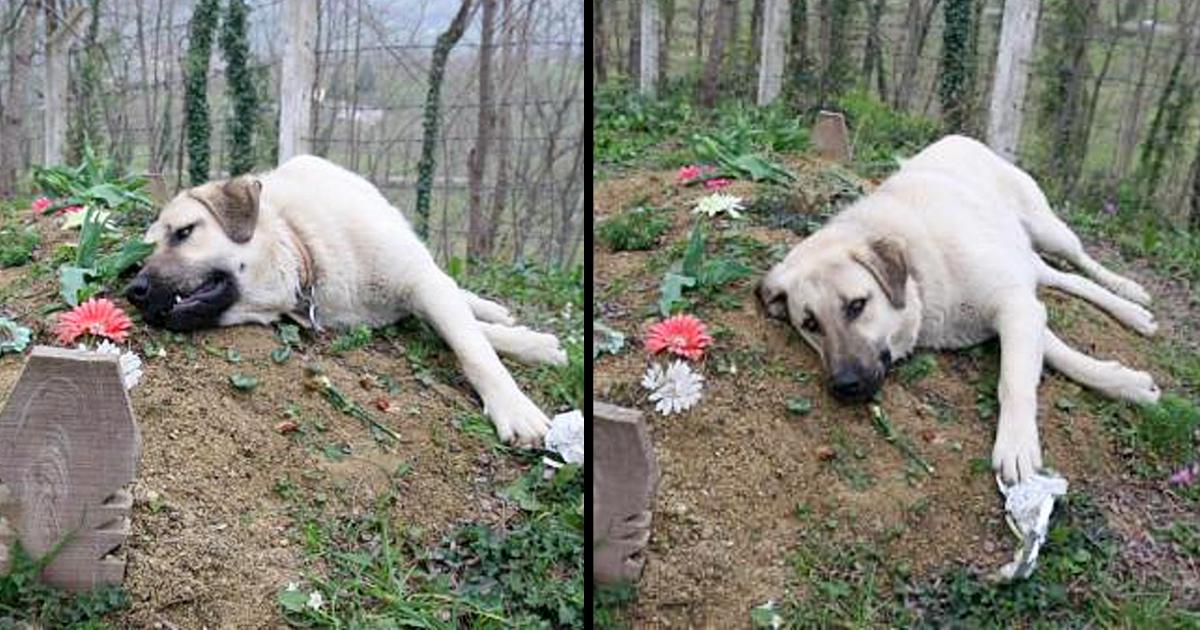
(138,290)
(847,384)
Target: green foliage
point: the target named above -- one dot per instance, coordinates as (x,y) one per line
(635,229)
(880,134)
(1062,111)
(243,382)
(1167,129)
(838,74)
(917,368)
(94,183)
(25,600)
(235,46)
(749,166)
(704,275)
(627,125)
(17,244)
(357,337)
(195,96)
(1164,434)
(608,603)
(956,78)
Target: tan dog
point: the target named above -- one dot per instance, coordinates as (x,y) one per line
(944,254)
(318,243)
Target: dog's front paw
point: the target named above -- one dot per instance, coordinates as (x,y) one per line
(545,348)
(518,421)
(1016,454)
(1137,386)
(1131,290)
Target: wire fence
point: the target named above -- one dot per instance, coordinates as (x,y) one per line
(373,59)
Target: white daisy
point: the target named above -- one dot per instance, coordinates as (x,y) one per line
(679,389)
(653,379)
(131,363)
(315,601)
(717,203)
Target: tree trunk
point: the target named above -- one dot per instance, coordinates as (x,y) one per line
(20,57)
(700,29)
(432,116)
(799,65)
(634,59)
(1131,123)
(504,117)
(722,37)
(479,245)
(756,34)
(918,20)
(873,48)
(1194,212)
(599,42)
(667,13)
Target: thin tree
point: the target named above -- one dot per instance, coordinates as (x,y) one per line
(432,117)
(633,58)
(956,76)
(666,12)
(873,50)
(599,42)
(195,98)
(799,64)
(918,20)
(1194,199)
(20,58)
(722,38)
(480,232)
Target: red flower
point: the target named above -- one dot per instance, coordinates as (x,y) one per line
(687,174)
(683,335)
(94,317)
(717,184)
(68,210)
(39,205)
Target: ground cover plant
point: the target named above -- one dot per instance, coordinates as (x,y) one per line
(779,507)
(295,478)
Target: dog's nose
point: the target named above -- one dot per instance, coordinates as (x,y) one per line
(846,384)
(138,290)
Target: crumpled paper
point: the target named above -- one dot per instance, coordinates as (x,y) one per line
(566,436)
(1028,505)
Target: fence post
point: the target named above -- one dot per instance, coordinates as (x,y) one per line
(770,65)
(297,77)
(1011,76)
(54,117)
(648,64)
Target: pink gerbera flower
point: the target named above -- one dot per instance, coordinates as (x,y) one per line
(39,205)
(683,335)
(717,183)
(687,174)
(99,317)
(68,210)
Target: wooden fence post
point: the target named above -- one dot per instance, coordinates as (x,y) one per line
(297,78)
(68,447)
(774,38)
(1011,76)
(648,64)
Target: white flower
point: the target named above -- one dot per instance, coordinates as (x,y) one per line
(293,586)
(131,363)
(717,203)
(653,378)
(315,601)
(678,390)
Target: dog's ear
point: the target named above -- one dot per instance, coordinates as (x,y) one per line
(234,204)
(773,301)
(884,258)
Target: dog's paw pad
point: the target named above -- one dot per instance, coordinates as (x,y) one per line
(1140,388)
(1016,457)
(518,421)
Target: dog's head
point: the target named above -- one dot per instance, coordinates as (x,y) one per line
(202,244)
(851,300)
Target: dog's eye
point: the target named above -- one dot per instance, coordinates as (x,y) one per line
(855,308)
(811,325)
(182,233)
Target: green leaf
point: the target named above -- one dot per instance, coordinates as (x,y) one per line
(723,271)
(288,334)
(281,354)
(672,291)
(693,256)
(133,252)
(72,281)
(242,382)
(605,339)
(800,406)
(293,601)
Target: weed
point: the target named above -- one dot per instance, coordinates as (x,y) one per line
(635,229)
(26,601)
(242,382)
(918,367)
(17,245)
(355,338)
(880,134)
(609,602)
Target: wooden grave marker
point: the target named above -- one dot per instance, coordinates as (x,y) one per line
(68,448)
(624,482)
(830,137)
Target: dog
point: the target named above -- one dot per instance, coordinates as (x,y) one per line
(945,254)
(316,243)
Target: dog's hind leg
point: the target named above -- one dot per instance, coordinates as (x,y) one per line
(1126,312)
(1051,236)
(487,310)
(1107,377)
(524,345)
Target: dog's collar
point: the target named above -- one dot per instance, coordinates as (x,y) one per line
(306,306)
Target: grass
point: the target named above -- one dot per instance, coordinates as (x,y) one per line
(374,572)
(636,229)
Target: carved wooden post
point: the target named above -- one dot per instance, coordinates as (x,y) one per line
(68,447)
(624,481)
(830,137)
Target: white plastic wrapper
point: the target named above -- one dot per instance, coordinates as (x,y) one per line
(1028,506)
(566,436)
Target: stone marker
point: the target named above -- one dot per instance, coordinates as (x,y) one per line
(624,481)
(68,447)
(830,137)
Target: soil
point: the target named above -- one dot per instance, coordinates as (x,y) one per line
(212,541)
(744,480)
